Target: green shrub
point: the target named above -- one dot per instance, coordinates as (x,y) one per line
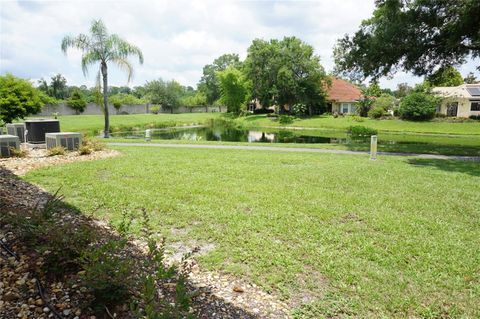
(299,109)
(150,306)
(84,150)
(357,118)
(59,244)
(361,131)
(418,106)
(475,117)
(108,274)
(58,150)
(377,113)
(155,109)
(285,119)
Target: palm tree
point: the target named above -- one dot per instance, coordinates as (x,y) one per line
(102,47)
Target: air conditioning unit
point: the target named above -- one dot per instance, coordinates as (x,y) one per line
(69,140)
(39,127)
(17,129)
(6,143)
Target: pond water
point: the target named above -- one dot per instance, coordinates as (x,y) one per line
(225,133)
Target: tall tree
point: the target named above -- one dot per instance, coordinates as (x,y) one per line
(233,88)
(416,35)
(58,87)
(103,48)
(285,72)
(403,89)
(209,83)
(43,86)
(448,76)
(167,94)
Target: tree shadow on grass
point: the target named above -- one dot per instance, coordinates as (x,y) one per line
(19,198)
(466,167)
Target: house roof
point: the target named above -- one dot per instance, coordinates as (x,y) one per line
(343,91)
(468,91)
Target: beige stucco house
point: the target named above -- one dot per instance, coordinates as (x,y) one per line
(342,97)
(459,101)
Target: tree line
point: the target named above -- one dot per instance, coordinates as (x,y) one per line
(427,38)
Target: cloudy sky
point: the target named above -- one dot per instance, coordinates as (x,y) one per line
(177,37)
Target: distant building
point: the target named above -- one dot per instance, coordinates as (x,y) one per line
(460,101)
(342,97)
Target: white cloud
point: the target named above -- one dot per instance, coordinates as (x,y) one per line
(177,37)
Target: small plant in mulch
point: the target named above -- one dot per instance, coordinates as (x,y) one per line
(84,150)
(93,144)
(58,150)
(20,153)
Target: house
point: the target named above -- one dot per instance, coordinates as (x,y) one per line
(460,101)
(342,97)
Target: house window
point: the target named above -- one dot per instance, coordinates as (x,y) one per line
(475,106)
(353,109)
(345,107)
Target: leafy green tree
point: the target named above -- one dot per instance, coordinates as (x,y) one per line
(167,94)
(448,76)
(18,98)
(103,48)
(403,89)
(416,35)
(233,88)
(373,90)
(418,106)
(470,78)
(155,91)
(384,101)
(76,102)
(139,91)
(58,87)
(209,83)
(285,72)
(173,94)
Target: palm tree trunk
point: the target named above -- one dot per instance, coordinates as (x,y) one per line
(106,132)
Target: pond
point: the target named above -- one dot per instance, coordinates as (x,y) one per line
(234,134)
(228,131)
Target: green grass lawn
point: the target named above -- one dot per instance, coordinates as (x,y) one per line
(335,235)
(92,124)
(393,125)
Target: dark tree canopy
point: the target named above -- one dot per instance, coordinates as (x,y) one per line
(419,36)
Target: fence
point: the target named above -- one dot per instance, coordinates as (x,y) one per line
(94,109)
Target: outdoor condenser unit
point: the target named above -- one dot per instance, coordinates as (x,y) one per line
(17,129)
(69,140)
(37,129)
(7,142)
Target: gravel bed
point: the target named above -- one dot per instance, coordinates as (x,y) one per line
(37,158)
(217,295)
